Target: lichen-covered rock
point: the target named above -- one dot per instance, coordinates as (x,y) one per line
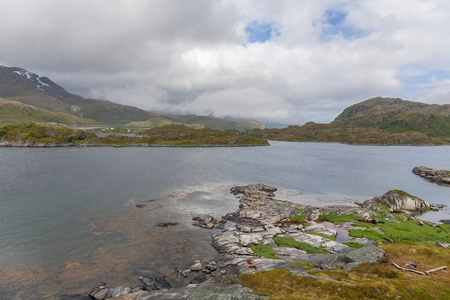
(397,200)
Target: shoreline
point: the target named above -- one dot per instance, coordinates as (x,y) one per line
(259,219)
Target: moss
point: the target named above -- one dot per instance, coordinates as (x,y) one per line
(298,218)
(354,244)
(264,251)
(307,266)
(367,233)
(337,219)
(292,243)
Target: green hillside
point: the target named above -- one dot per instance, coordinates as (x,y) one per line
(377,121)
(13,112)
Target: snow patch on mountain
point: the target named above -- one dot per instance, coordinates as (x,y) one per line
(32,77)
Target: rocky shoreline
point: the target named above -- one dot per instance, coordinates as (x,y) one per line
(254,239)
(440,177)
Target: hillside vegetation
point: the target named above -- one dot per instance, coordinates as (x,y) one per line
(12,111)
(159,122)
(33,135)
(377,121)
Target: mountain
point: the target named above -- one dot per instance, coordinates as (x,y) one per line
(396,115)
(386,121)
(11,111)
(17,84)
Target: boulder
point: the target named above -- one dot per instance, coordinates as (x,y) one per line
(196,266)
(398,200)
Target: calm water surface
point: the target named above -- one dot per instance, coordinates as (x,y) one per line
(67,205)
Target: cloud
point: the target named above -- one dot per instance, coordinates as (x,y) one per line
(287,61)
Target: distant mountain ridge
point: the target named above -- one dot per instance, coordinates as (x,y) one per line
(381,121)
(18,84)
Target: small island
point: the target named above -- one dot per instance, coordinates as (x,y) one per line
(441,177)
(34,135)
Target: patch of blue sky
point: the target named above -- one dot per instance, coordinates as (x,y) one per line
(335,24)
(260,32)
(414,84)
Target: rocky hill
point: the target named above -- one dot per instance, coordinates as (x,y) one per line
(17,84)
(379,121)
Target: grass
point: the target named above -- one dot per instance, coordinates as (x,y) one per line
(405,231)
(298,218)
(402,193)
(264,251)
(354,244)
(379,280)
(330,237)
(337,219)
(292,243)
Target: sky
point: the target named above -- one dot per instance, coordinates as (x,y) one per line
(281,61)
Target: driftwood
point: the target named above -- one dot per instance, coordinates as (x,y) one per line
(419,272)
(410,270)
(437,269)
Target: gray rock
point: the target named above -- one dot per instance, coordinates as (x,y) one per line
(444,245)
(120,291)
(398,202)
(438,176)
(196,266)
(99,293)
(365,254)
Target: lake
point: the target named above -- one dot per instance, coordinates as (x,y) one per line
(68,218)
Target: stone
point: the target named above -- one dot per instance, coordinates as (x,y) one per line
(196,266)
(185,272)
(155,283)
(437,176)
(444,245)
(99,293)
(447,221)
(120,291)
(212,265)
(398,202)
(246,229)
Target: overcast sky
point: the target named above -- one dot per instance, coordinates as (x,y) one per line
(283,61)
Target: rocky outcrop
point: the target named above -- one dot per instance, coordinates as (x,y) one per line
(397,200)
(441,177)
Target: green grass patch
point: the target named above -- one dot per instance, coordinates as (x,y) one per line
(353,244)
(330,237)
(406,231)
(307,266)
(363,224)
(264,251)
(337,219)
(298,218)
(402,193)
(292,243)
(366,233)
